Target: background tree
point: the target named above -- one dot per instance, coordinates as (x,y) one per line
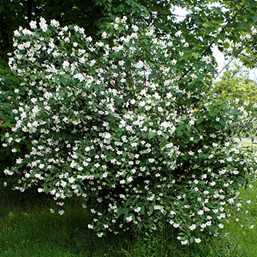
(93,15)
(205,19)
(235,86)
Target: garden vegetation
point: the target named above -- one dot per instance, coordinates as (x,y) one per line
(128,123)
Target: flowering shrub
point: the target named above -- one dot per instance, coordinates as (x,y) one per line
(8,102)
(117,124)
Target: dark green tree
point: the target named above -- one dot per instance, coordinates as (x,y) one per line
(212,23)
(92,15)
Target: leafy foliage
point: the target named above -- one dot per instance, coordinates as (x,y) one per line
(211,21)
(126,126)
(93,15)
(235,86)
(8,101)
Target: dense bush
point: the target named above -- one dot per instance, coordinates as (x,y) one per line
(8,83)
(118,124)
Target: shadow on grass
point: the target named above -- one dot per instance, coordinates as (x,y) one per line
(27,228)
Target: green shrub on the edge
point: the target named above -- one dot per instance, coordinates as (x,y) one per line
(9,82)
(116,125)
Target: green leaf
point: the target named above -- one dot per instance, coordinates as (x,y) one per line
(119,212)
(60,93)
(63,135)
(212,113)
(151,135)
(195,55)
(200,120)
(47,190)
(240,181)
(142,210)
(119,101)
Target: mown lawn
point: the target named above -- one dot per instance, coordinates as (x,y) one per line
(27,228)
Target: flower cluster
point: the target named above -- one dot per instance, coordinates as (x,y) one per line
(114,124)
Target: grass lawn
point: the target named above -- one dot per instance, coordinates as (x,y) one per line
(27,228)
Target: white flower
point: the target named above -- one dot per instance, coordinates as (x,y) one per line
(135,27)
(208,223)
(90,226)
(129,179)
(71,180)
(192,227)
(137,209)
(65,64)
(121,63)
(184,242)
(27,44)
(19,161)
(104,35)
(43,24)
(197,240)
(16,33)
(191,122)
(107,135)
(61,212)
(92,63)
(21,47)
(134,144)
(203,226)
(33,24)
(175,225)
(191,153)
(129,218)
(151,160)
(200,212)
(54,23)
(178,33)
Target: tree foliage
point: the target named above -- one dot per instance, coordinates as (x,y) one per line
(212,21)
(235,86)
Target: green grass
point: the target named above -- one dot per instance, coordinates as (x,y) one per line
(27,228)
(238,232)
